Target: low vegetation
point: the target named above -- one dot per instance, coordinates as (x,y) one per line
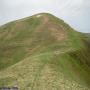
(44,53)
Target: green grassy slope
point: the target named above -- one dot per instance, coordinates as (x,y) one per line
(42,52)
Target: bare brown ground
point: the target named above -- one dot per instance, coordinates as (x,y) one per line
(56,31)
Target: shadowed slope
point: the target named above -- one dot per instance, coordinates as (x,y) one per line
(42,52)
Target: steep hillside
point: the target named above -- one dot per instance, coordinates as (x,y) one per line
(42,52)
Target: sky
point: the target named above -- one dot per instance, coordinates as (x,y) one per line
(74,12)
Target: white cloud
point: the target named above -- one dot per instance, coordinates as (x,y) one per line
(75,12)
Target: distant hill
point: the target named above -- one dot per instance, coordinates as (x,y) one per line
(42,52)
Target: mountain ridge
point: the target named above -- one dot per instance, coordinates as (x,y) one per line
(37,50)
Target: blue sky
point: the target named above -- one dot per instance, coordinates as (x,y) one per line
(75,12)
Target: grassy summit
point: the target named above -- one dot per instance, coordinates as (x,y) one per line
(42,52)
